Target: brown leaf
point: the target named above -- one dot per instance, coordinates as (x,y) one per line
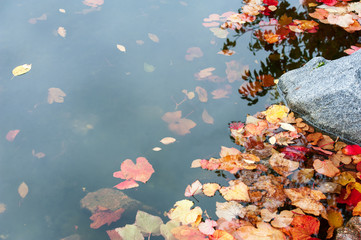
(326,168)
(250,88)
(326,143)
(267,80)
(105,216)
(313,138)
(281,165)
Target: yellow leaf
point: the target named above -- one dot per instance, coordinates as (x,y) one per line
(275,113)
(237,191)
(209,189)
(335,218)
(344,178)
(23,190)
(22,69)
(183,213)
(357,210)
(62,32)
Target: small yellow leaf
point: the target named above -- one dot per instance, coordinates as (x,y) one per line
(121,48)
(23,190)
(167,140)
(22,69)
(62,10)
(157,149)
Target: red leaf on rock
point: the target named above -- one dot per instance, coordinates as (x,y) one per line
(351,150)
(104,215)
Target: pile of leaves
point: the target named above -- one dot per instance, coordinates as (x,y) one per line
(287,181)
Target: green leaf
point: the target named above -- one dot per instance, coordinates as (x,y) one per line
(166,229)
(130,232)
(148,223)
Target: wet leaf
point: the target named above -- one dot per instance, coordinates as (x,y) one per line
(153,37)
(357,210)
(61,31)
(167,140)
(130,232)
(121,48)
(351,150)
(193,189)
(207,118)
(55,95)
(283,219)
(263,231)
(326,168)
(23,190)
(303,227)
(166,229)
(237,191)
(2,207)
(209,189)
(22,69)
(193,52)
(93,3)
(127,184)
(335,218)
(221,235)
(148,223)
(10,136)
(230,210)
(105,216)
(157,149)
(275,113)
(344,178)
(207,227)
(281,165)
(141,171)
(188,233)
(178,124)
(202,94)
(183,213)
(148,67)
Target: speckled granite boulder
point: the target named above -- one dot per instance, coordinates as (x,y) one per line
(352,230)
(327,94)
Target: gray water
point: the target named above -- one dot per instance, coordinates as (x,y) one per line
(113,106)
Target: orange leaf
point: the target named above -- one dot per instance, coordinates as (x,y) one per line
(221,235)
(188,233)
(326,168)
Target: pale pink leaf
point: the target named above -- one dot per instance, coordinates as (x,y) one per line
(207,227)
(193,189)
(127,184)
(207,118)
(10,136)
(93,3)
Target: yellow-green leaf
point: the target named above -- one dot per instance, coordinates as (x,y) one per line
(22,69)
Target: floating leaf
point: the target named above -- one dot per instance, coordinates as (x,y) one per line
(275,113)
(202,94)
(130,232)
(209,189)
(351,150)
(183,213)
(178,124)
(237,191)
(153,37)
(104,216)
(188,233)
(141,171)
(61,31)
(148,67)
(22,69)
(207,118)
(148,223)
(93,3)
(263,231)
(121,48)
(55,95)
(230,210)
(166,229)
(10,136)
(303,227)
(23,190)
(326,168)
(207,227)
(167,140)
(157,149)
(127,184)
(207,72)
(193,189)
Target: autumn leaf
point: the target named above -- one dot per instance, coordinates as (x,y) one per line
(237,191)
(221,235)
(351,150)
(153,37)
(121,48)
(303,227)
(10,136)
(166,229)
(207,118)
(20,70)
(275,113)
(183,213)
(193,52)
(263,231)
(178,124)
(103,216)
(281,165)
(202,94)
(283,219)
(193,189)
(230,210)
(167,140)
(307,199)
(55,95)
(335,218)
(188,233)
(23,190)
(130,232)
(141,171)
(209,189)
(326,168)
(148,223)
(93,3)
(352,198)
(61,31)
(207,227)
(204,73)
(127,184)
(250,88)
(344,178)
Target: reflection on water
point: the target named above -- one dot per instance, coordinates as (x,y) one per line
(114,106)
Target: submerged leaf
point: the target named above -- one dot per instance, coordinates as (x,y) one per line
(23,190)
(130,232)
(104,216)
(55,95)
(207,118)
(10,136)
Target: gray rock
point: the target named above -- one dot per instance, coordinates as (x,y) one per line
(352,230)
(327,94)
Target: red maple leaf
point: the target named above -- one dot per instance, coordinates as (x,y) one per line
(103,216)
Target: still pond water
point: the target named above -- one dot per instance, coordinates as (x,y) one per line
(113,106)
